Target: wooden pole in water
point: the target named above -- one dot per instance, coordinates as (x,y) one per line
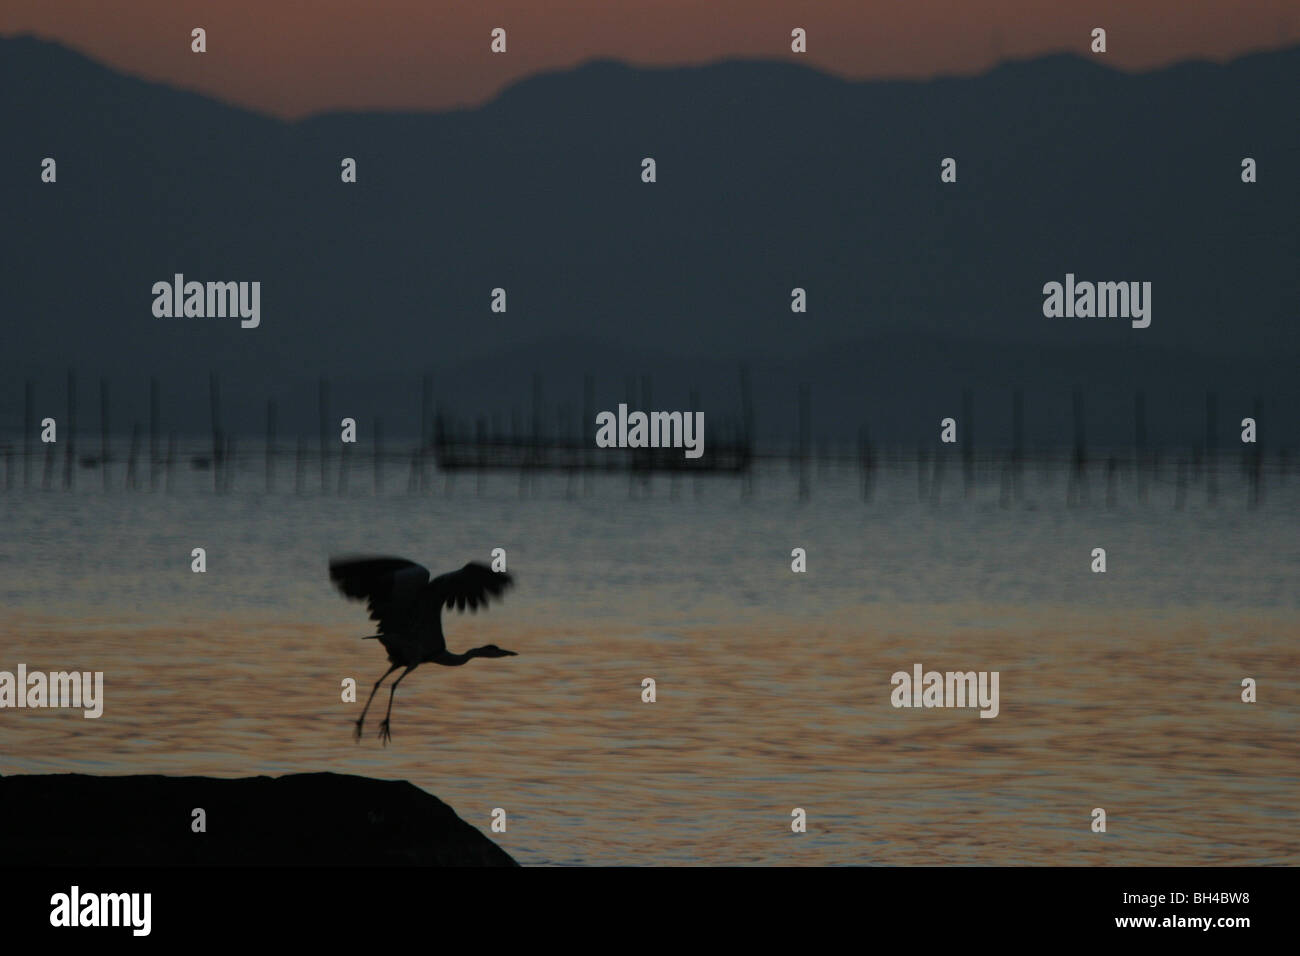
(747,418)
(322,403)
(445,430)
(29,422)
(103,430)
(1211,447)
(1256,484)
(936,478)
(695,407)
(535,440)
(445,426)
(647,403)
(480,454)
(515,441)
(630,387)
(132,479)
(345,466)
(1140,443)
(171,459)
(564,443)
(1017,443)
(69,459)
(1078,485)
(227,463)
(218,446)
(426,424)
(47,479)
(805,438)
(922,474)
(865,461)
(426,403)
(271,415)
(588,421)
(155,406)
(968,441)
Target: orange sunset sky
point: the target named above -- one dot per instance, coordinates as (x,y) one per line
(294,57)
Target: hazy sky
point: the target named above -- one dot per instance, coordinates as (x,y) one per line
(292,57)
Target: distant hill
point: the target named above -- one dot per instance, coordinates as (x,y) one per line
(770,176)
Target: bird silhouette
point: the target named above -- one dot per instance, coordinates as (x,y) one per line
(408,607)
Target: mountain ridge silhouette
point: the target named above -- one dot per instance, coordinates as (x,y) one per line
(772,175)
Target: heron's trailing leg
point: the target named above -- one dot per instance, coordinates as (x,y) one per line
(384,734)
(362,719)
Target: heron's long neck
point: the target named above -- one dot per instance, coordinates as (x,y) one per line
(448,659)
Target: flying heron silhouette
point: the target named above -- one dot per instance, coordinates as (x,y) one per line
(408,607)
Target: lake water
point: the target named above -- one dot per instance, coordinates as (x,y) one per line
(1118,690)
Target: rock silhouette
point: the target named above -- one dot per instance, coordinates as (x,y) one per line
(314,819)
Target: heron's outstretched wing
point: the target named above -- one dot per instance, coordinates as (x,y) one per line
(473,585)
(392,588)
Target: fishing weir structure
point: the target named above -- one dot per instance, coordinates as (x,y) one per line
(558,441)
(458,449)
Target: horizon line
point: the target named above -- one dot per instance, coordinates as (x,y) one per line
(632,66)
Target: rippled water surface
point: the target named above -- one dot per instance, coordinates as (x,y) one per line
(1118,690)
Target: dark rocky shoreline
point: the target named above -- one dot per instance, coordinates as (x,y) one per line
(306,819)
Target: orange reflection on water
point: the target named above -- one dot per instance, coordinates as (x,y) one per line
(1139,714)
